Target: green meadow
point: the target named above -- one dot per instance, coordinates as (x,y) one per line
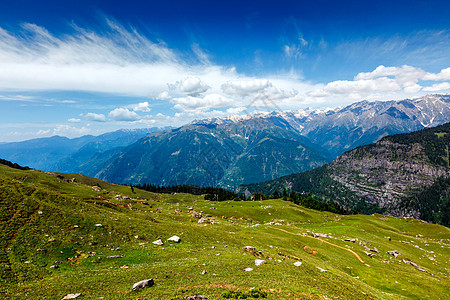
(67,233)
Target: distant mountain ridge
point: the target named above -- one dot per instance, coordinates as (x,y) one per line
(386,176)
(345,128)
(62,154)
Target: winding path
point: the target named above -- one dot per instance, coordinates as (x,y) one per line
(351,251)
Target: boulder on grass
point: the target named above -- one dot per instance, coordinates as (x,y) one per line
(174,238)
(143,284)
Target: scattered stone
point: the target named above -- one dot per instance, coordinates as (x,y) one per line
(41,250)
(204,272)
(248,269)
(213,247)
(251,248)
(317,235)
(394,253)
(71,296)
(76,226)
(98,225)
(321,270)
(178,210)
(350,240)
(298,263)
(142,284)
(414,265)
(196,214)
(124,267)
(51,240)
(196,297)
(205,220)
(58,262)
(175,239)
(40,212)
(259,262)
(115,256)
(375,250)
(158,242)
(27,262)
(369,254)
(54,267)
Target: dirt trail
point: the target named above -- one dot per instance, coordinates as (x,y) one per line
(351,251)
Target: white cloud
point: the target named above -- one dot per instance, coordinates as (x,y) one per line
(95,117)
(123,114)
(444,74)
(191,86)
(64,130)
(244,88)
(163,96)
(363,85)
(74,120)
(437,87)
(202,103)
(142,106)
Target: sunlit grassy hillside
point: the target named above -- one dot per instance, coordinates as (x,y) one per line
(99,236)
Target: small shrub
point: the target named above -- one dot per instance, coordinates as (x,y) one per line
(257,293)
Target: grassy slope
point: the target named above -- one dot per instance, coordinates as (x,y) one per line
(176,268)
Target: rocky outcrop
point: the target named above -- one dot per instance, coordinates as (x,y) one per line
(386,172)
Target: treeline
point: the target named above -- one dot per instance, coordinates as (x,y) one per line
(435,142)
(211,193)
(308,201)
(433,203)
(13,165)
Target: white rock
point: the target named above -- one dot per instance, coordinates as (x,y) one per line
(259,262)
(158,242)
(249,248)
(142,284)
(98,225)
(248,269)
(298,263)
(71,296)
(322,270)
(174,238)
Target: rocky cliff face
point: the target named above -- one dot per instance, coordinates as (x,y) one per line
(386,173)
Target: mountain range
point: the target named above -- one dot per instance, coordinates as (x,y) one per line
(227,152)
(235,150)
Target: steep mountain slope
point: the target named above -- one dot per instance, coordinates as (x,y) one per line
(380,175)
(66,234)
(68,155)
(214,155)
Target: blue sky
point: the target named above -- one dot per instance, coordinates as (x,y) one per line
(86,67)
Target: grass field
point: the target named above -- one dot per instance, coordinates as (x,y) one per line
(46,218)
